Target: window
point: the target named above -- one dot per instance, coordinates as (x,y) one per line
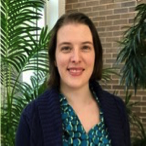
(52,11)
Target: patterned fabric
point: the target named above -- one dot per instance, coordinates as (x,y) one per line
(74,133)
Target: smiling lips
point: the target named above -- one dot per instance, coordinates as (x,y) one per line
(75,71)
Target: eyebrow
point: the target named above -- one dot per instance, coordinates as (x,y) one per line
(87,42)
(68,43)
(64,43)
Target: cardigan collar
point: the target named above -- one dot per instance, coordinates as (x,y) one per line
(112,115)
(50,117)
(50,113)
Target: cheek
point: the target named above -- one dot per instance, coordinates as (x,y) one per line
(91,60)
(61,62)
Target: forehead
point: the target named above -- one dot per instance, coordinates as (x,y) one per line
(74,32)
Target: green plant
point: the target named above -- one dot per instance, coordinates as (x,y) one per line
(107,72)
(129,107)
(139,139)
(22,49)
(133,52)
(133,57)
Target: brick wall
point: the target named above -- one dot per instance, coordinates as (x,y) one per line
(110,17)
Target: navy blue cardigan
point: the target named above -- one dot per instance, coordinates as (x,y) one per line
(41,124)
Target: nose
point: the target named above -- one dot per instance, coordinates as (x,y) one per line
(76,56)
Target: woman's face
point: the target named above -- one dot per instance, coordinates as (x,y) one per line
(75,55)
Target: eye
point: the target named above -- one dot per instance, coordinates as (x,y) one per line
(86,47)
(65,48)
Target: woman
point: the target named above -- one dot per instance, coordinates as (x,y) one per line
(74,110)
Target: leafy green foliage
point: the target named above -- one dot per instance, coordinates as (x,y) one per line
(133,52)
(107,72)
(133,57)
(129,107)
(139,139)
(22,49)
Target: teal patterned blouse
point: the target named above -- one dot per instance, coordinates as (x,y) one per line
(73,131)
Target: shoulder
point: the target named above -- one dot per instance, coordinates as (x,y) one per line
(116,103)
(116,99)
(45,99)
(108,98)
(29,126)
(120,104)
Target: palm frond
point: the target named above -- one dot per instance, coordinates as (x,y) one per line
(107,72)
(24,94)
(140,138)
(22,49)
(133,52)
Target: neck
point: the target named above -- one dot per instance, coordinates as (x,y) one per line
(77,96)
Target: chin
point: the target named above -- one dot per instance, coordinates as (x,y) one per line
(77,85)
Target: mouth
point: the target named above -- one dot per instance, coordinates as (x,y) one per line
(75,71)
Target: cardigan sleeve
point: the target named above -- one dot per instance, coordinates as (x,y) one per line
(125,120)
(29,132)
(25,129)
(23,132)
